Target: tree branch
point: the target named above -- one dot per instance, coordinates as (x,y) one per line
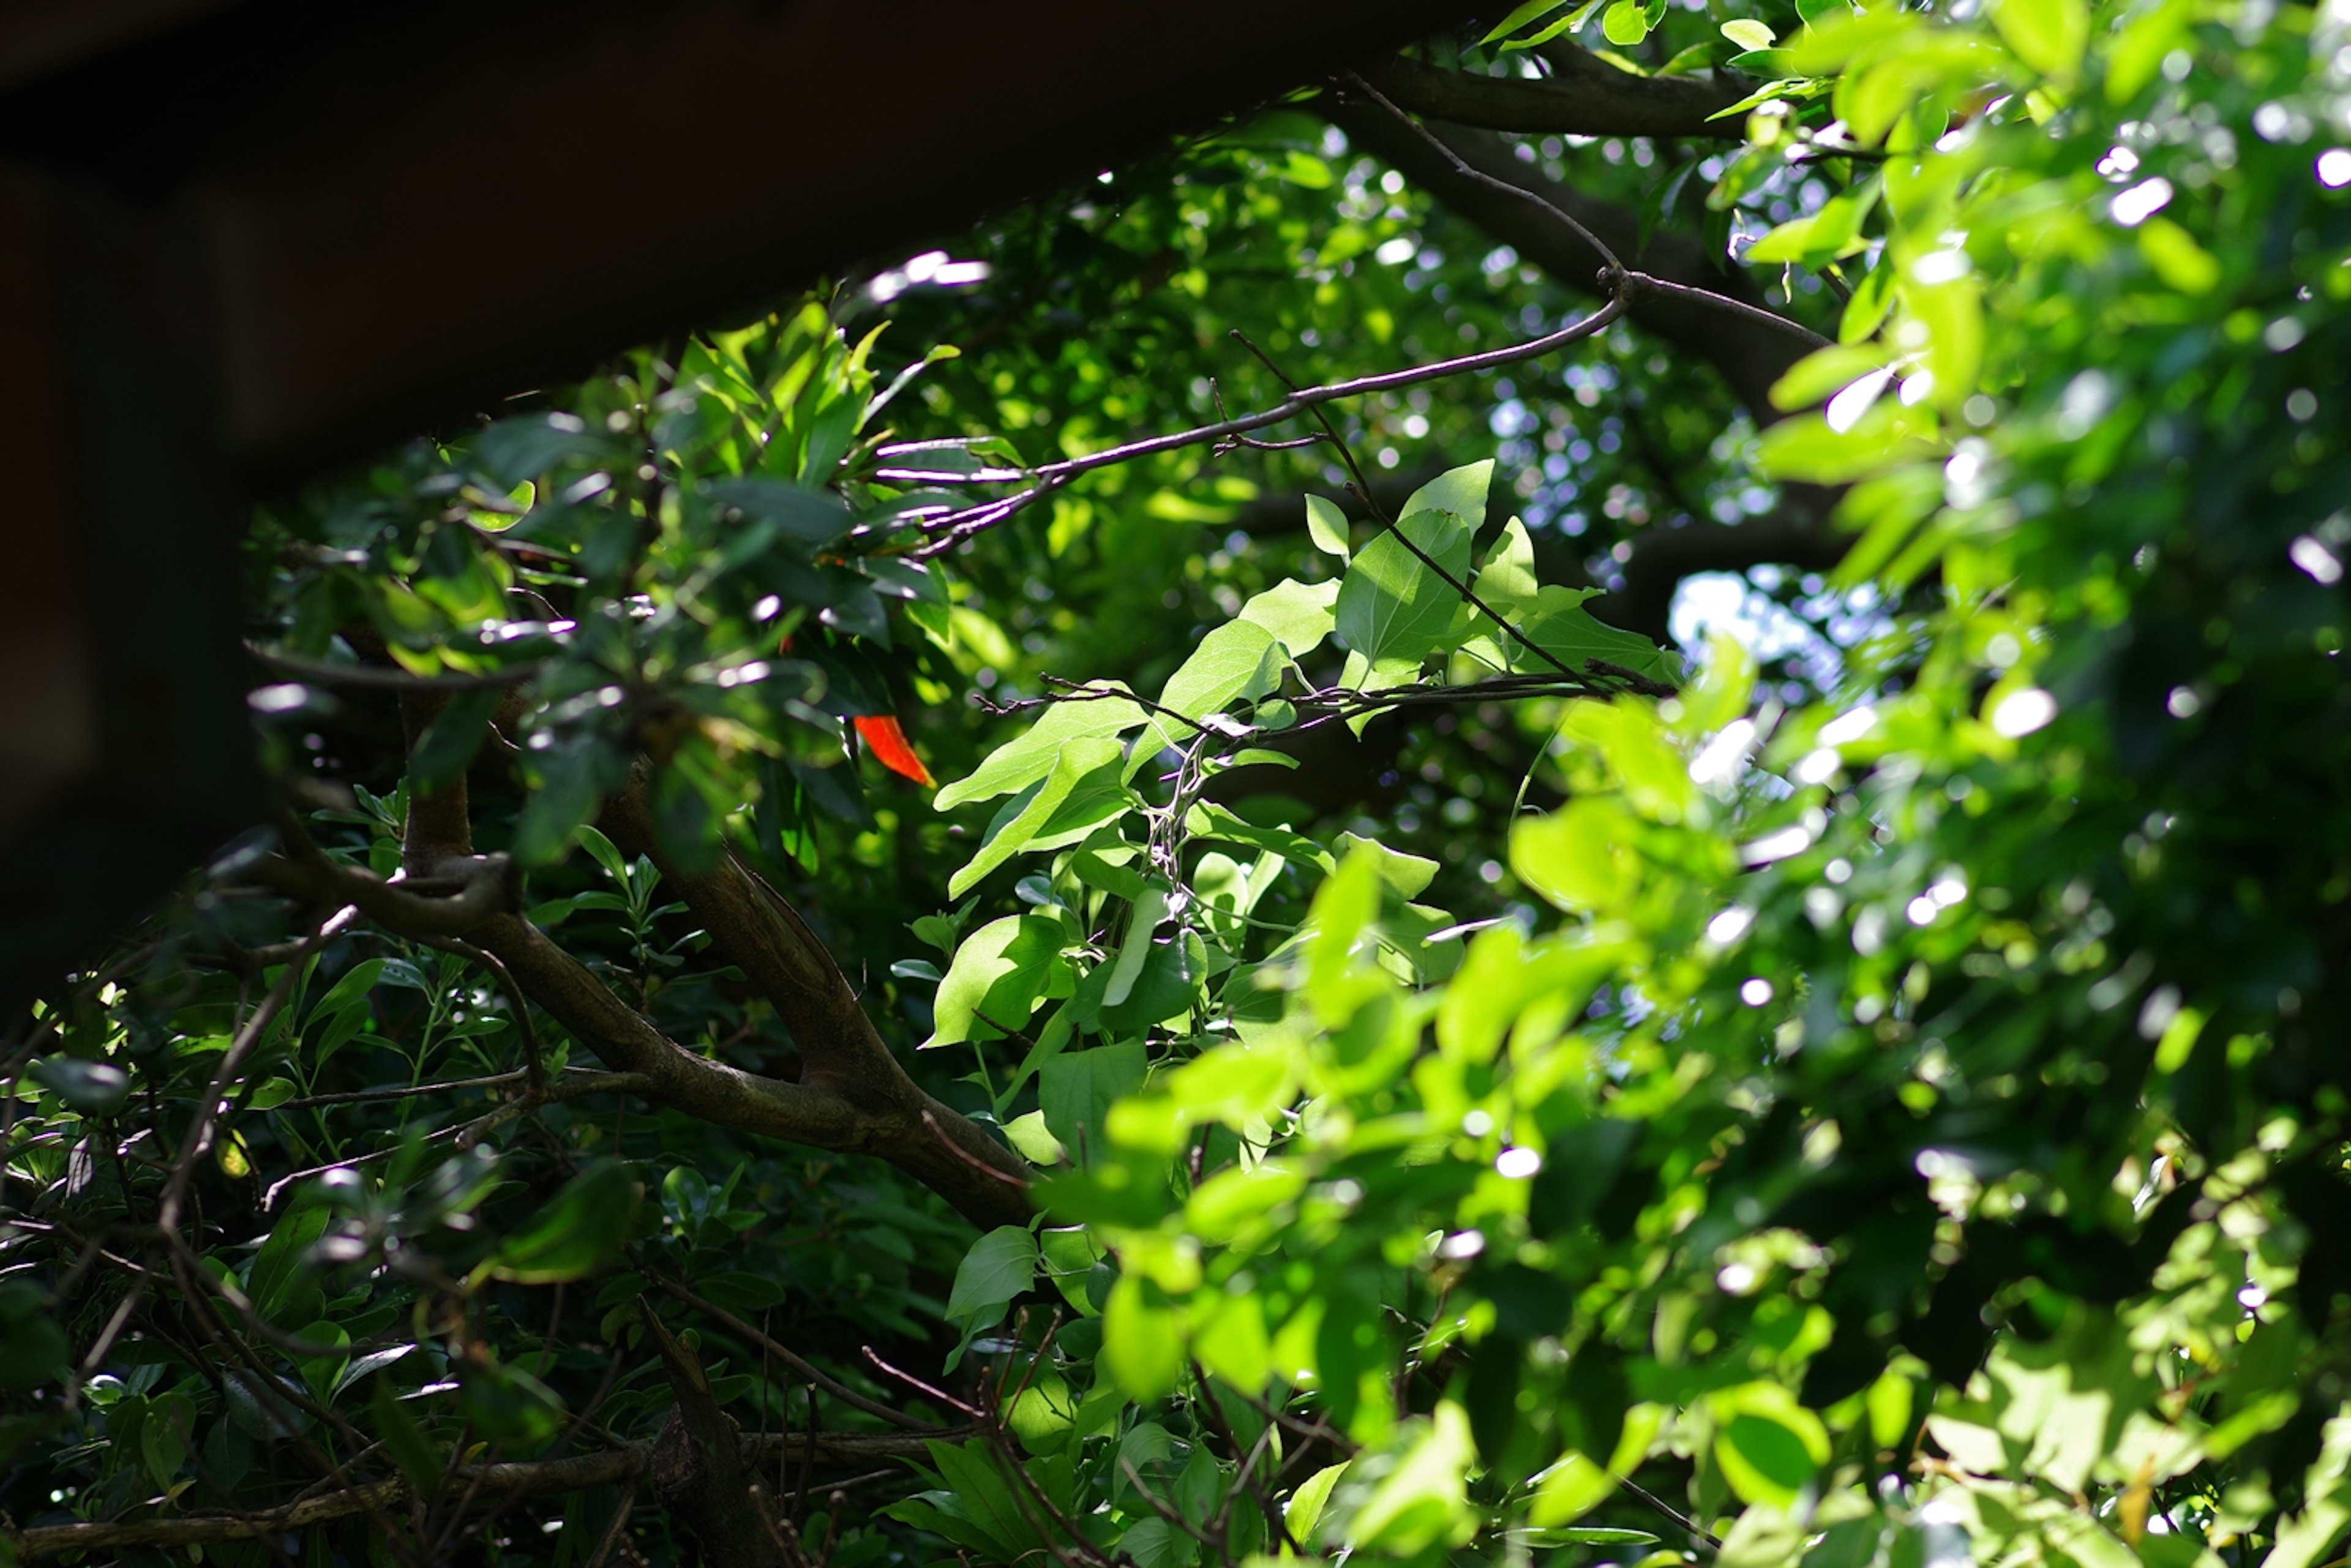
(613,1466)
(855,1099)
(844,1058)
(1585,96)
(1681,290)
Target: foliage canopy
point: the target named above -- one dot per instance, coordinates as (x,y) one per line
(1371,1050)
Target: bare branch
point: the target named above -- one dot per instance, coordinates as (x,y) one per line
(318,672)
(613,1466)
(1751,346)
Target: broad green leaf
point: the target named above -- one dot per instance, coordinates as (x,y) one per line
(2050,35)
(1326,526)
(1029,1135)
(1502,974)
(1229,1338)
(1826,370)
(1507,581)
(323,1373)
(1406,875)
(1023,761)
(163,1436)
(1168,984)
(1150,909)
(1568,1491)
(1067,1254)
(579,1230)
(1768,1444)
(1579,857)
(1038,821)
(1506,585)
(351,989)
(1393,610)
(1303,1512)
(1461,491)
(2177,258)
(280,1275)
(1749,34)
(1557,623)
(1000,1266)
(418,1460)
(1142,1341)
(1231,662)
(1423,1502)
(1625,24)
(1298,615)
(1521,15)
(1238,659)
(999,974)
(90,1087)
(1077,1089)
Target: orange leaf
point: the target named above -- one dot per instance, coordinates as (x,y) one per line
(889,743)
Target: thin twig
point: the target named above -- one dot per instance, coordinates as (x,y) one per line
(982,1167)
(326,674)
(916,1383)
(832,1386)
(946,531)
(1704,1538)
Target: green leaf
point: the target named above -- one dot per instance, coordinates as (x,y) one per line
(1520,16)
(350,989)
(982,1496)
(1423,1502)
(163,1436)
(999,974)
(577,1232)
(1000,1266)
(281,1268)
(1559,623)
(525,447)
(1826,370)
(1326,526)
(1037,1144)
(93,1088)
(1166,985)
(1580,857)
(1625,24)
(1461,491)
(1298,615)
(1239,659)
(1150,909)
(2177,258)
(1077,1089)
(1768,1444)
(322,1373)
(1749,34)
(1154,1543)
(1023,761)
(1039,821)
(1393,609)
(1303,1512)
(418,1461)
(1407,876)
(2050,35)
(1142,1341)
(809,517)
